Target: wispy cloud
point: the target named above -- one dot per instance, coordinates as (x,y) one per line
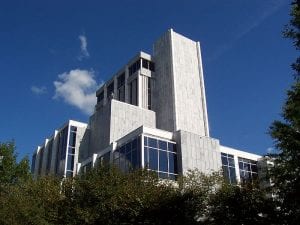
(77,88)
(84,53)
(265,13)
(38,90)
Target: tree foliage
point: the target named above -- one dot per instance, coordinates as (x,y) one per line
(10,170)
(286,134)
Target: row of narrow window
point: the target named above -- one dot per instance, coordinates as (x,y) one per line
(247,168)
(121,83)
(132,91)
(65,153)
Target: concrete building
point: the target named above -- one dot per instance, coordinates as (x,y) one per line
(152,114)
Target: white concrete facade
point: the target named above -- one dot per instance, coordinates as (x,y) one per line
(153,114)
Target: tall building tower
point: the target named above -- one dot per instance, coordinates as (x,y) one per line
(179,93)
(151,114)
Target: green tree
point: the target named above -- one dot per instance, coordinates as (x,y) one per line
(10,170)
(33,203)
(247,204)
(286,134)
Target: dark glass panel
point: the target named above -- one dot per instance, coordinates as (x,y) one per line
(134,144)
(231,162)
(110,89)
(138,64)
(100,97)
(72,139)
(121,80)
(145,63)
(121,94)
(146,157)
(71,150)
(153,159)
(145,141)
(241,166)
(135,159)
(224,161)
(230,156)
(247,167)
(254,168)
(152,66)
(139,143)
(122,163)
(128,147)
(70,162)
(122,150)
(73,128)
(224,154)
(232,175)
(226,173)
(152,142)
(172,163)
(162,145)
(172,147)
(163,161)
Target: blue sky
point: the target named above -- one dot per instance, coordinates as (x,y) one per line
(54,54)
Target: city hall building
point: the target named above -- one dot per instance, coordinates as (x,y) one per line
(151,114)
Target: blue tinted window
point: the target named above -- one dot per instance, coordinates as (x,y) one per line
(163,161)
(146,161)
(254,168)
(226,173)
(70,162)
(171,147)
(134,144)
(135,163)
(241,165)
(172,163)
(152,142)
(162,145)
(72,139)
(153,159)
(145,141)
(224,161)
(128,157)
(230,162)
(128,147)
(232,175)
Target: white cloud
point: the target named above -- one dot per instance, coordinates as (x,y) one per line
(83,47)
(38,90)
(270,150)
(77,88)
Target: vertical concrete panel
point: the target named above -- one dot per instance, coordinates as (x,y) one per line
(163,93)
(198,152)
